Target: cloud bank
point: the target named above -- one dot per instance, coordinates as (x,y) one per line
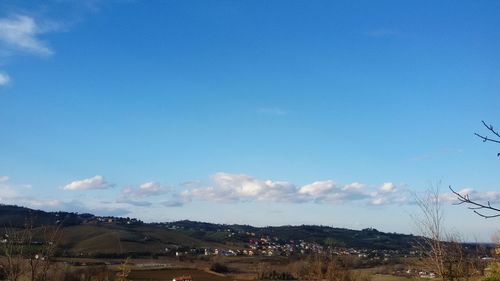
(233,188)
(226,188)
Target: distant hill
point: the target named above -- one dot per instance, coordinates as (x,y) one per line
(16,216)
(323,235)
(95,235)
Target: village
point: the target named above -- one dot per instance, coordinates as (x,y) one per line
(275,246)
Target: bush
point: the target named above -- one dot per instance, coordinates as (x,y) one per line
(219,268)
(274,275)
(492,277)
(85,274)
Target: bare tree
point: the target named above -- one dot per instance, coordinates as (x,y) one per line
(12,249)
(444,253)
(430,224)
(28,251)
(39,258)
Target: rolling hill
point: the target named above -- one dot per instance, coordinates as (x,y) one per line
(87,234)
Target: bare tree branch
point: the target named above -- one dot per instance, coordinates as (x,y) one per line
(475,206)
(490,127)
(485,138)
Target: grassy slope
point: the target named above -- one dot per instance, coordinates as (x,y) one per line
(124,239)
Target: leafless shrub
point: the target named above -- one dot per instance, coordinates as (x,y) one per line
(12,249)
(124,271)
(329,268)
(445,253)
(27,252)
(40,258)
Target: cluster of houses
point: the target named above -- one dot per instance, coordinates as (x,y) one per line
(258,245)
(273,246)
(262,245)
(267,246)
(414,272)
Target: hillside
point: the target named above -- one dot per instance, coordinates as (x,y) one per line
(87,234)
(323,235)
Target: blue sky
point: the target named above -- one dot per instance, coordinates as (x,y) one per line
(259,112)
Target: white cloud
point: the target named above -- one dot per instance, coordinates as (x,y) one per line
(152,188)
(44,204)
(14,195)
(329,192)
(96,182)
(387,187)
(477,196)
(129,195)
(491,196)
(318,188)
(226,187)
(378,201)
(388,193)
(146,189)
(4,79)
(7,192)
(353,186)
(230,188)
(20,33)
